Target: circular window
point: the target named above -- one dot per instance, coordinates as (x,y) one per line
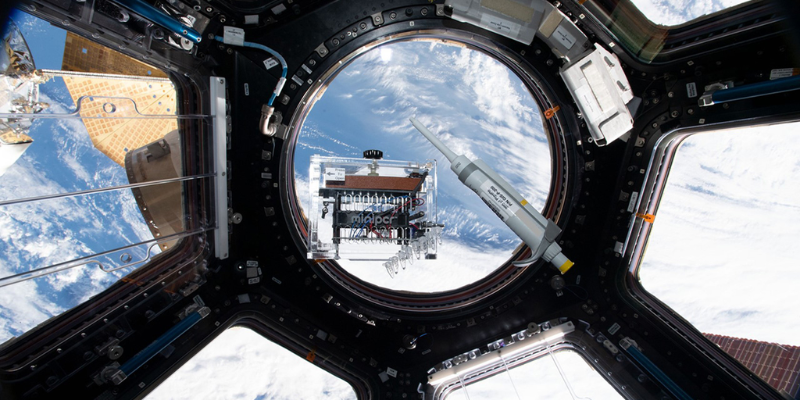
(475,104)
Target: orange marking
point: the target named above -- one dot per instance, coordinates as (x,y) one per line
(312,355)
(581,1)
(647,217)
(549,113)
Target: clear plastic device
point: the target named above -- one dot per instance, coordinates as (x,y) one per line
(372,209)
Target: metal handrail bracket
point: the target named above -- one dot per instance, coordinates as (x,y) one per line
(218,108)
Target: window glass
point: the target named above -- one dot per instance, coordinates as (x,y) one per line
(540,379)
(52,153)
(476,105)
(241,364)
(676,12)
(720,252)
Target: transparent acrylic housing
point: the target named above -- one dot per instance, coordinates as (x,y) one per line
(365,209)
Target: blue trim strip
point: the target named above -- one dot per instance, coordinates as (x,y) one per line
(159,344)
(657,374)
(757,89)
(148,11)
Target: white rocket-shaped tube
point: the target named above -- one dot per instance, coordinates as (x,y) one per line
(538,232)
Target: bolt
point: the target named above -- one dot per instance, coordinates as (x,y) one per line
(670,94)
(424,12)
(209,9)
(674,114)
(690,111)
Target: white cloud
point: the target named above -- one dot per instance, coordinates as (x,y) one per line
(675,12)
(240,364)
(719,253)
(477,107)
(39,234)
(457,265)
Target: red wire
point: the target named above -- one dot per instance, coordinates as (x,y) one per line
(420,201)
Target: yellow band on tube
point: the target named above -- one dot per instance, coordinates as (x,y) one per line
(566,266)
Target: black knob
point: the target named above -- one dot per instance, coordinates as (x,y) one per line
(373,154)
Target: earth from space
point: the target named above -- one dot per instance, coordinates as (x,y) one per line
(477,107)
(471,101)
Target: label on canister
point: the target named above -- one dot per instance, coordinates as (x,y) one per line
(779,73)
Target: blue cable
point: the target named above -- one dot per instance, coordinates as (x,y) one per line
(417,338)
(372,211)
(285,67)
(363,224)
